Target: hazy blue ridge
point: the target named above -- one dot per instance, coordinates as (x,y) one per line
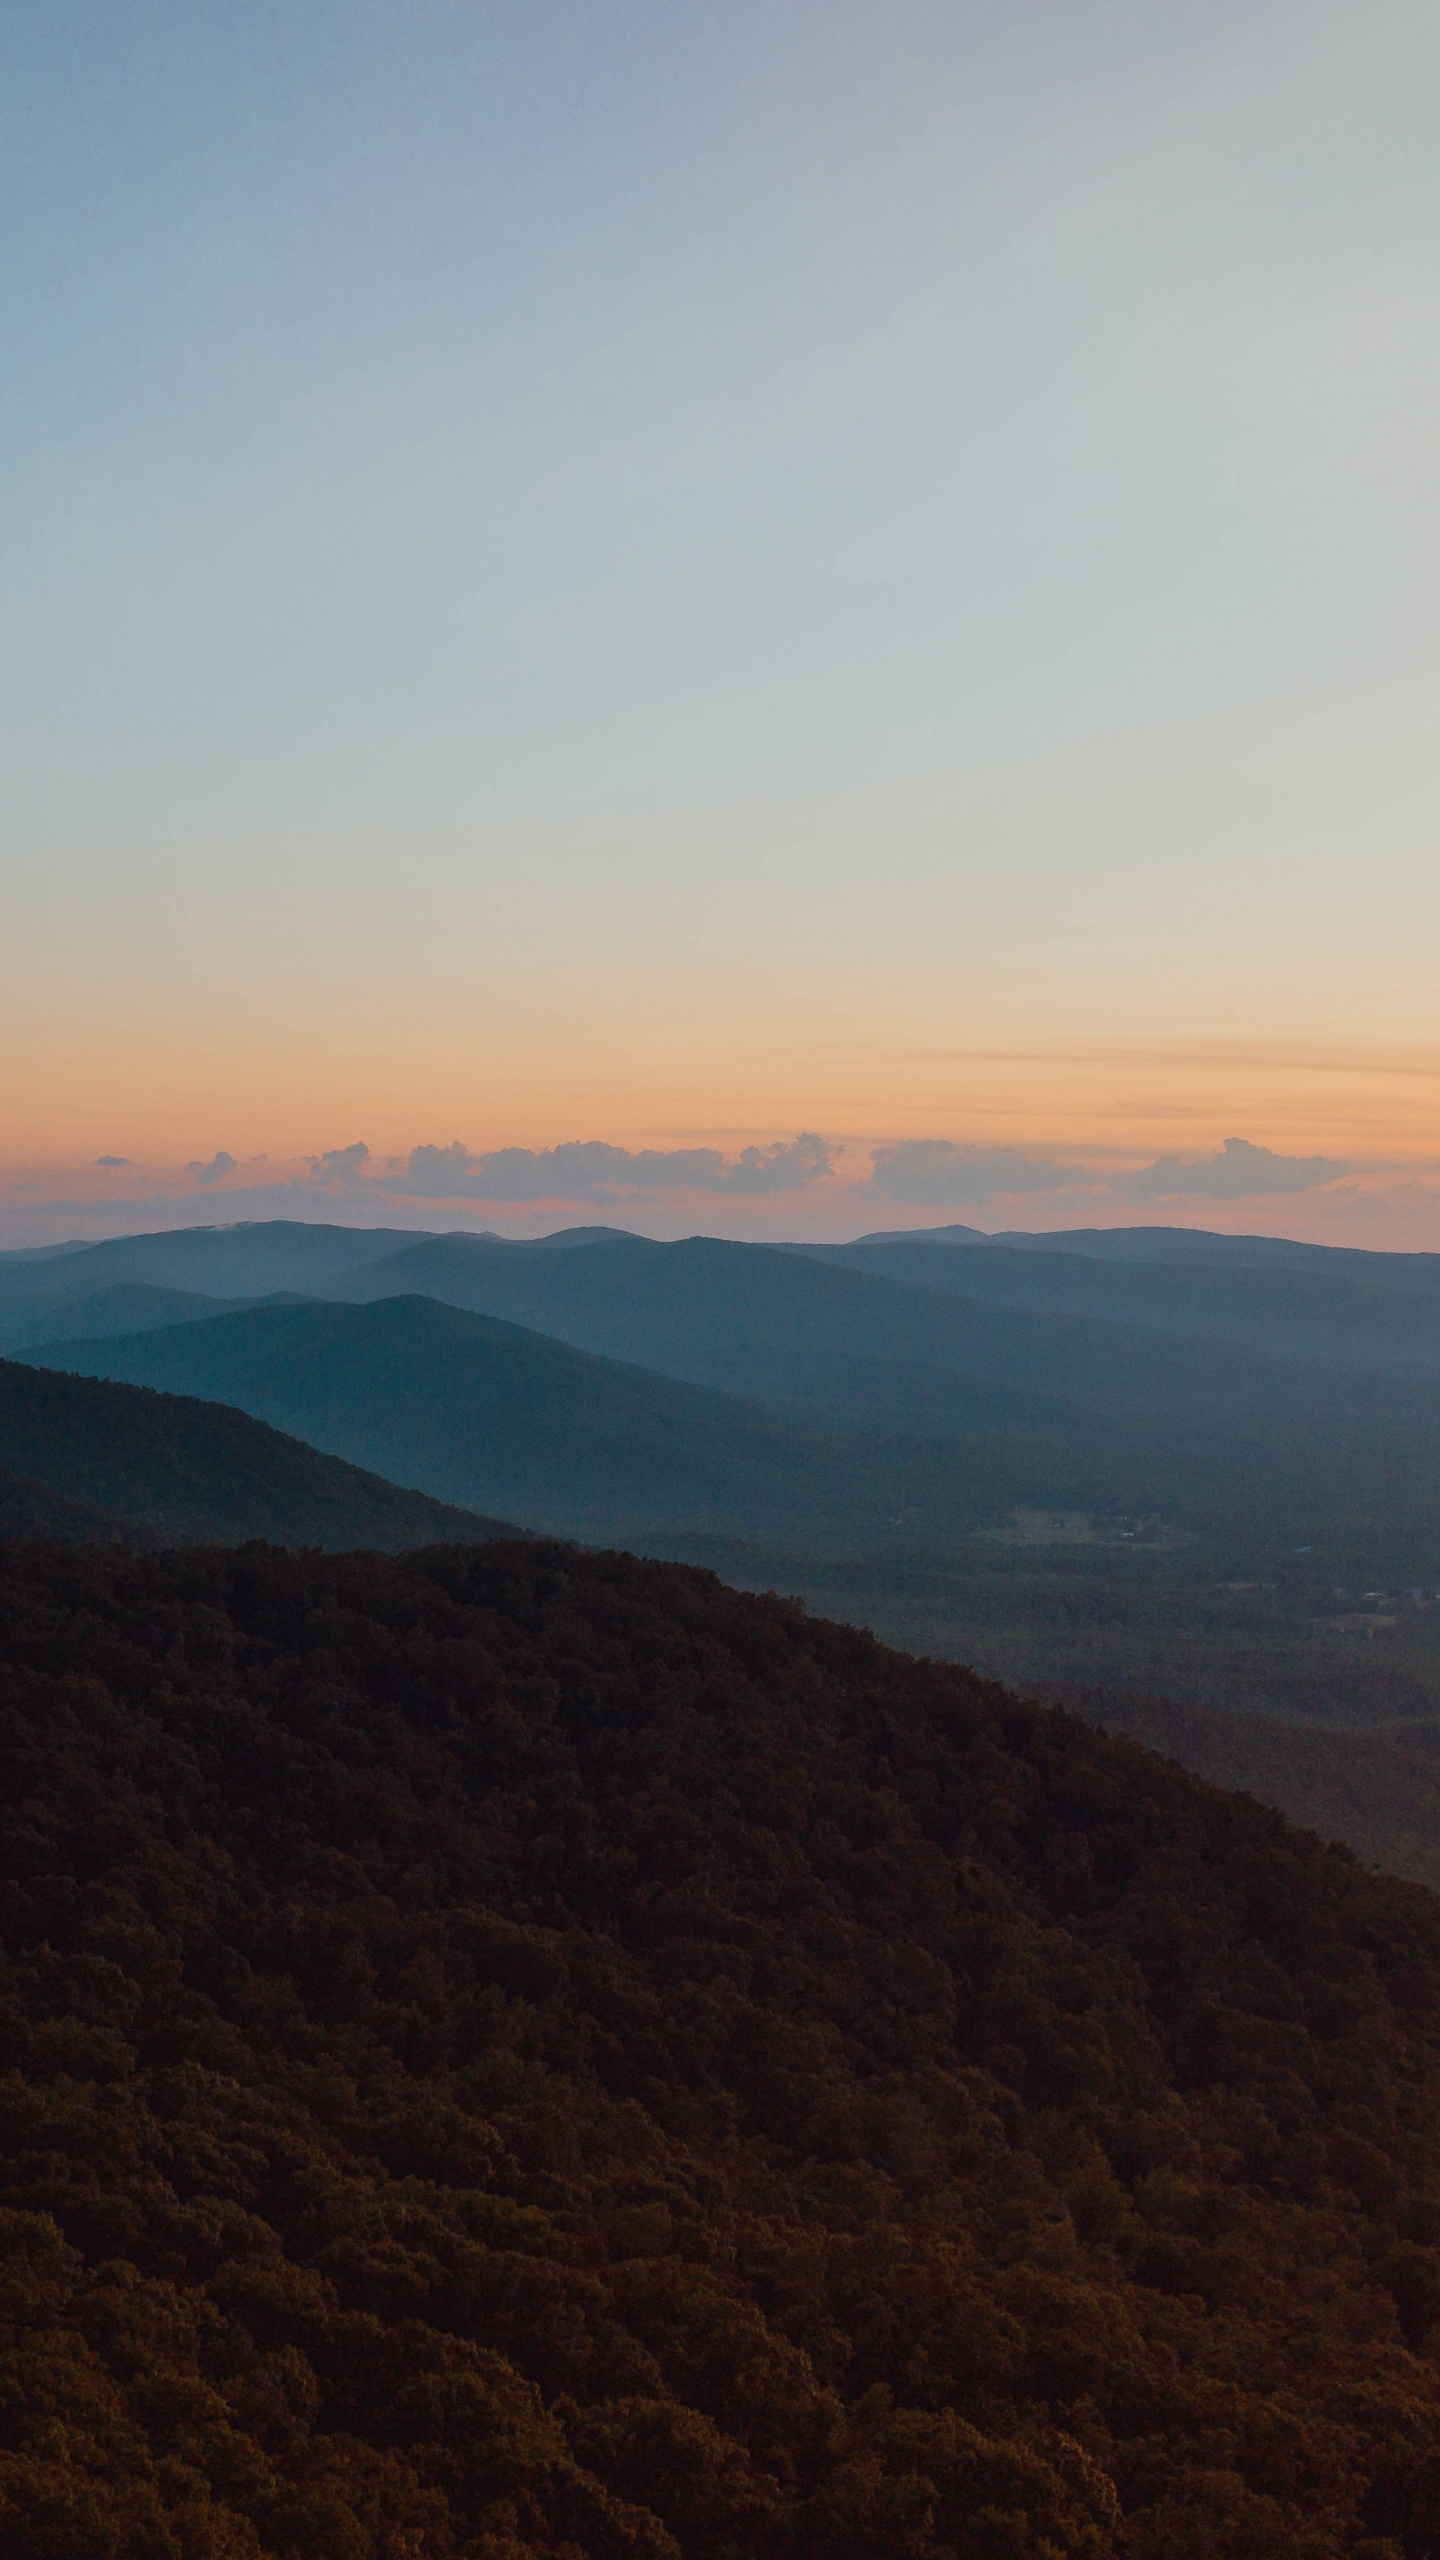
(171,1467)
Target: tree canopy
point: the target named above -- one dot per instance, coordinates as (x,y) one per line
(517,2055)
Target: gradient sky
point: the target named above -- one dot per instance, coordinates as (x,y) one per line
(680,575)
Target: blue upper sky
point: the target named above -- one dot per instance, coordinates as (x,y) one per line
(581,571)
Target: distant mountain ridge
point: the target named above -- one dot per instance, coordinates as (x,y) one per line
(250,1261)
(1279,1402)
(1363,1316)
(1300,1304)
(1164,1244)
(749,1318)
(505,1418)
(131,1306)
(255,1259)
(499,1416)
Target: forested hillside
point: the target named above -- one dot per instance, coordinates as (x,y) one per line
(1379,1791)
(98,1459)
(29,1509)
(522,2056)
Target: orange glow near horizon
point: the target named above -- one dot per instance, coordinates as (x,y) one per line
(913,621)
(160,1100)
(1091,1113)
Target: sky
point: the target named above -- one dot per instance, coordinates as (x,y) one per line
(778,617)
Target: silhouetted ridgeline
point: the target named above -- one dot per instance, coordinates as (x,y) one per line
(517,2053)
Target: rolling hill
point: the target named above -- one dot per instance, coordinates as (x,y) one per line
(769,1321)
(879,1442)
(1238,1440)
(1133,1316)
(126,1306)
(1204,1244)
(1241,1441)
(100,1459)
(1374,1314)
(498,1416)
(252,1261)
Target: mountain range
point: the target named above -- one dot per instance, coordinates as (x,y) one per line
(487,1412)
(1136,1466)
(1263,1407)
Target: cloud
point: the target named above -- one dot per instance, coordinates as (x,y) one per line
(221,1163)
(1240,1171)
(940,1173)
(591,1170)
(806,1159)
(110,1161)
(341,1164)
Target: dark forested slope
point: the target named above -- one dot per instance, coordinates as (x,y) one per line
(515,2053)
(30,1509)
(167,1467)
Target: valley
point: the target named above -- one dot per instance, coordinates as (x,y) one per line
(1122,1467)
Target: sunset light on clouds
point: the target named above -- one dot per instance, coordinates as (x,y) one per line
(785,620)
